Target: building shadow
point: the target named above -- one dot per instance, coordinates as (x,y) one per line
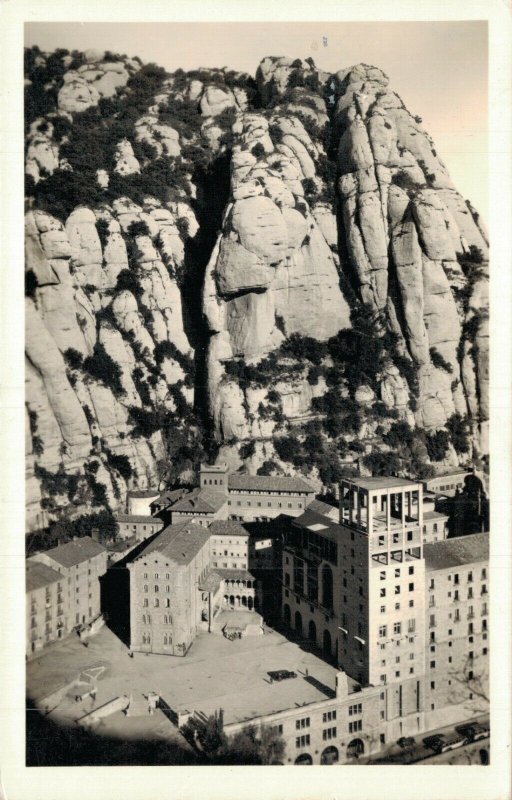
(51,745)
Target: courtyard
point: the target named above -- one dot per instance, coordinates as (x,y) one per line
(216,674)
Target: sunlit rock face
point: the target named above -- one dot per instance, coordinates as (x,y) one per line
(145,305)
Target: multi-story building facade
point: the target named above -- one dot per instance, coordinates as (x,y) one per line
(47,611)
(166,605)
(81,563)
(242,497)
(448,484)
(456,628)
(359,590)
(138,526)
(185,577)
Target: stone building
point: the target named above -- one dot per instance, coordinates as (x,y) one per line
(138,526)
(184,581)
(80,563)
(448,484)
(47,610)
(250,498)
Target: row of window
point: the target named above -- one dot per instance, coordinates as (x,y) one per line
(355,725)
(382,592)
(156,603)
(166,619)
(269,504)
(166,639)
(383,574)
(156,588)
(397,606)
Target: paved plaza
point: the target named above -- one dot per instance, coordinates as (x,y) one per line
(215,674)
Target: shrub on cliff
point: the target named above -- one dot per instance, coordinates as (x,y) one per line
(459,430)
(102,367)
(437,445)
(438,360)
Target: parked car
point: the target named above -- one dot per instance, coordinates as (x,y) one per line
(473,731)
(406,741)
(433,742)
(441,743)
(282,674)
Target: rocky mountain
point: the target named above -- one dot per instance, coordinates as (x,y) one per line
(276,271)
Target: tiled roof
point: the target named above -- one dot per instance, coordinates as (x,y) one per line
(75,552)
(38,575)
(200,501)
(170,496)
(457,551)
(211,582)
(139,518)
(318,523)
(267,483)
(235,574)
(326,509)
(224,527)
(180,543)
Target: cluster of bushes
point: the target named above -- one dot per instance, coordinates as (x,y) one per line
(99,366)
(46,80)
(438,360)
(405,181)
(459,430)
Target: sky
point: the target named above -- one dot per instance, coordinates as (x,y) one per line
(438,68)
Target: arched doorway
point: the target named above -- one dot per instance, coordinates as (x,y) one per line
(312,631)
(327,596)
(287,617)
(327,644)
(330,755)
(355,748)
(298,622)
(304,758)
(484,757)
(231,600)
(244,600)
(249,603)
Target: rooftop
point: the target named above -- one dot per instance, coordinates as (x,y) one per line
(75,552)
(235,574)
(138,518)
(318,523)
(200,501)
(38,575)
(225,527)
(268,483)
(170,496)
(211,582)
(180,543)
(434,515)
(384,482)
(143,493)
(326,509)
(457,551)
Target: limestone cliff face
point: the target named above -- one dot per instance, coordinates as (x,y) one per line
(181,272)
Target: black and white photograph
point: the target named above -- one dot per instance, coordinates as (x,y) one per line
(257,395)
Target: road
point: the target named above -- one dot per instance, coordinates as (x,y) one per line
(468,754)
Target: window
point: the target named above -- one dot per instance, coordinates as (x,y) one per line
(328,716)
(355,709)
(383,630)
(382,714)
(381,541)
(397,627)
(483,575)
(432,620)
(355,725)
(411,625)
(382,593)
(397,589)
(146,588)
(157,602)
(397,572)
(329,733)
(383,609)
(302,723)
(411,603)
(145,575)
(397,660)
(397,606)
(146,602)
(302,741)
(411,587)
(432,665)
(382,575)
(411,656)
(156,576)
